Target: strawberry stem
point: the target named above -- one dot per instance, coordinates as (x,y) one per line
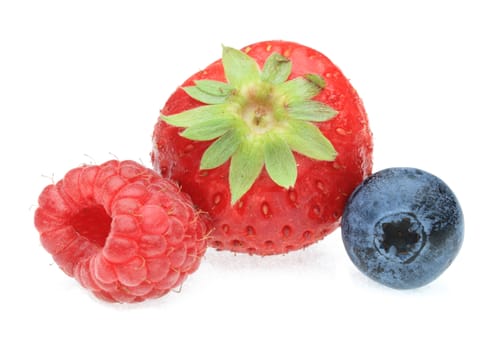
(258,118)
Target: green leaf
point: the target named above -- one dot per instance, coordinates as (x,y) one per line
(311,110)
(214,87)
(239,68)
(277,69)
(246,165)
(316,80)
(280,162)
(221,150)
(305,138)
(209,91)
(197,115)
(202,96)
(298,89)
(209,129)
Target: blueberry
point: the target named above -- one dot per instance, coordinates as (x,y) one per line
(402,227)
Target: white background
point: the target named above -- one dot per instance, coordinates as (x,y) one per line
(84,82)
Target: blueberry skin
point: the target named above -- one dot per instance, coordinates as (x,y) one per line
(402,227)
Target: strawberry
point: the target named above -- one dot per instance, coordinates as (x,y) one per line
(270,140)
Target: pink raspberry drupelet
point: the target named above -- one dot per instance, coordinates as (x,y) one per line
(121,230)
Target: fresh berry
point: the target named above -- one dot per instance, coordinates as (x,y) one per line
(121,230)
(402,227)
(271,140)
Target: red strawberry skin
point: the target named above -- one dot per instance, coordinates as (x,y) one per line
(121,230)
(269,219)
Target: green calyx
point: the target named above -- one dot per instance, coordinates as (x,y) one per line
(258,118)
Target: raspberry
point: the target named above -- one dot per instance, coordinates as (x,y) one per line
(121,230)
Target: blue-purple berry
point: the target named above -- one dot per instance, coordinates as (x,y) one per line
(402,227)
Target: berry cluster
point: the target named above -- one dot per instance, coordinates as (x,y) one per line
(264,152)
